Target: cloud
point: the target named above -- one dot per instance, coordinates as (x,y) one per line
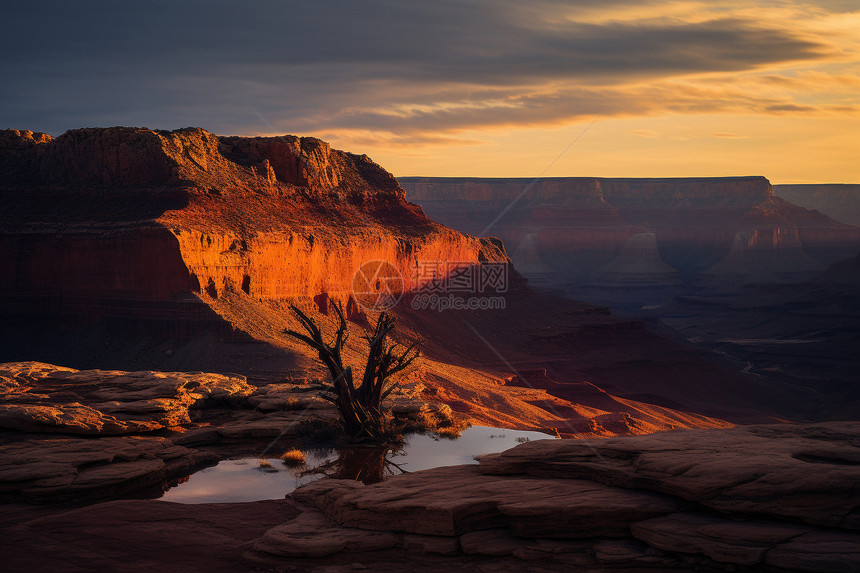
(789,107)
(567,104)
(401,73)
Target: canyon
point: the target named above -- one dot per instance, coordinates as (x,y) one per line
(133,249)
(147,279)
(585,235)
(724,264)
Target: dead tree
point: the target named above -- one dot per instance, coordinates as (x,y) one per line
(360,408)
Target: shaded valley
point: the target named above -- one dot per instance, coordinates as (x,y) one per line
(768,286)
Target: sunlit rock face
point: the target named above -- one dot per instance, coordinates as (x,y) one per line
(46,398)
(135,223)
(139,250)
(581,228)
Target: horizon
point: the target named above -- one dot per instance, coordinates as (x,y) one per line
(524,177)
(474,88)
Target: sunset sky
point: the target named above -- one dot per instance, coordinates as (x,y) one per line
(483,88)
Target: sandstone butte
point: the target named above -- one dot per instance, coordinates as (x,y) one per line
(133,249)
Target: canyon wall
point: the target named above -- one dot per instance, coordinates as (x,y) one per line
(134,249)
(127,222)
(838,201)
(729,229)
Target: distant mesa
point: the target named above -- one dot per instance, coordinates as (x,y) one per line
(592,231)
(757,257)
(839,201)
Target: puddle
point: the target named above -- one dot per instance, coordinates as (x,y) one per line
(244,479)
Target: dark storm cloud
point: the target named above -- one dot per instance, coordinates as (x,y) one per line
(315,66)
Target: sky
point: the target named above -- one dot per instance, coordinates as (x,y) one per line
(490,88)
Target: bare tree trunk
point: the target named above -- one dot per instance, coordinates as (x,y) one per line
(360,408)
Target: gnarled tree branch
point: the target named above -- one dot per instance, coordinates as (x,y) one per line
(360,408)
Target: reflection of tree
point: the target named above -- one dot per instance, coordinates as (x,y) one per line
(174,482)
(368,465)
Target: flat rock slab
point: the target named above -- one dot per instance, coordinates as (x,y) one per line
(271,425)
(76,469)
(799,472)
(690,500)
(286,396)
(720,539)
(820,551)
(41,397)
(457,499)
(145,536)
(789,546)
(312,534)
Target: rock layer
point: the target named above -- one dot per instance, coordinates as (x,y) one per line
(581,224)
(837,201)
(77,469)
(800,473)
(45,398)
(778,496)
(134,223)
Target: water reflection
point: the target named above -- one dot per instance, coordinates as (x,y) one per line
(251,478)
(367,465)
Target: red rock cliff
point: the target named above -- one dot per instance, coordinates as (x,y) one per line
(183,227)
(100,218)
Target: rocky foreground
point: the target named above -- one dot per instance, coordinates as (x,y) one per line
(76,436)
(757,498)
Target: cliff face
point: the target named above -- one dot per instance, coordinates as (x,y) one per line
(136,249)
(122,157)
(838,201)
(581,225)
(103,218)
